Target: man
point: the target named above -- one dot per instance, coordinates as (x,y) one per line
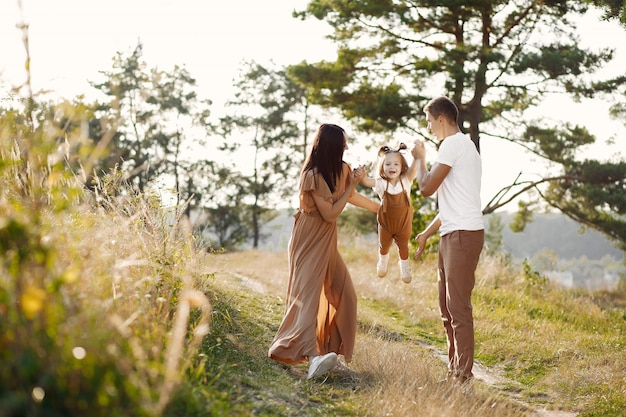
(455,176)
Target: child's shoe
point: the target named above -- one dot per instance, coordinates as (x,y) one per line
(405,270)
(381,266)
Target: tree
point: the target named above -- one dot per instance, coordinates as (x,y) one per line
(153,110)
(493,234)
(218,214)
(264,118)
(221,216)
(495,60)
(613,9)
(179,109)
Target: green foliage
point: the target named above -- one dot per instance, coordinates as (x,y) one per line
(557,60)
(533,277)
(227,225)
(559,145)
(597,199)
(41,370)
(390,44)
(495,63)
(493,234)
(264,118)
(424,211)
(358,221)
(150,113)
(541,334)
(613,9)
(85,329)
(522,217)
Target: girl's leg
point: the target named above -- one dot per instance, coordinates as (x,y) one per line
(384,243)
(403,250)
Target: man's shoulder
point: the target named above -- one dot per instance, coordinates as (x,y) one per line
(456,137)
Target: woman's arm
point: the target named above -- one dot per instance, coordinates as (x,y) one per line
(360,200)
(329,210)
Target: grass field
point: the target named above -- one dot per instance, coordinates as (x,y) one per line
(115,311)
(541,350)
(110,307)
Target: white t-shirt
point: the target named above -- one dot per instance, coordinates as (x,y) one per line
(459,193)
(381,186)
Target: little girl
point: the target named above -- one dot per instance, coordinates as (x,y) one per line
(395,216)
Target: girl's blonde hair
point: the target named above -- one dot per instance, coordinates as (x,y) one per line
(386,150)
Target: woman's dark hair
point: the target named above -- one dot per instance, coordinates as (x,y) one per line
(327,153)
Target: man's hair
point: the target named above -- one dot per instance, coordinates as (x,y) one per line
(443,106)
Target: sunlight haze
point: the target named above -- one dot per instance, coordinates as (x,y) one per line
(71,41)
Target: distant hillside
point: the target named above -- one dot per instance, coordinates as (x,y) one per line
(278,232)
(554,232)
(558,233)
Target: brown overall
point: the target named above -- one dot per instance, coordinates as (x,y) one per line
(395,221)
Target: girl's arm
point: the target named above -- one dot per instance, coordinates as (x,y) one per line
(427,233)
(329,210)
(411,173)
(369,182)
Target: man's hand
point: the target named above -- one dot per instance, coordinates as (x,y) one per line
(421,245)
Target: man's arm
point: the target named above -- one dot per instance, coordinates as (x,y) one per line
(429,181)
(425,235)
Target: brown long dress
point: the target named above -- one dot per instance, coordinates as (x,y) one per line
(321,305)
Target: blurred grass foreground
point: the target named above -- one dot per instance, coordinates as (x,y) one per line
(98,311)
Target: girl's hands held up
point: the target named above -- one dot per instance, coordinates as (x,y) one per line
(419,150)
(358,174)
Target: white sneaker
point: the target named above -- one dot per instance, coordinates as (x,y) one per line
(405,270)
(319,365)
(381,266)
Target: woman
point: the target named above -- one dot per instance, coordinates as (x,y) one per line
(320,311)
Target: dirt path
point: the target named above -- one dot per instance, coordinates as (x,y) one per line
(488,376)
(498,382)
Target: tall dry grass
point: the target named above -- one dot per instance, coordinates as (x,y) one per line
(540,350)
(99,313)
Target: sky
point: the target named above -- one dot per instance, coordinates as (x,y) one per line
(71,41)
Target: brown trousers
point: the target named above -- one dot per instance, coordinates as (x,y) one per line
(459,252)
